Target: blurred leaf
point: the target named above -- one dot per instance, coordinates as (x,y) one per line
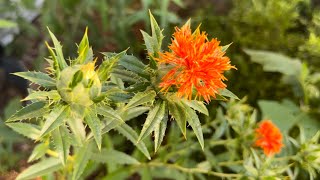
(275,62)
(55,119)
(36,109)
(310,125)
(94,124)
(39,78)
(38,151)
(26,129)
(117,157)
(62,144)
(7,24)
(81,159)
(13,106)
(41,168)
(155,116)
(131,135)
(227,93)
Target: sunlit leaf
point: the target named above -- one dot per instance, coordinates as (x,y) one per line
(117,157)
(36,109)
(39,78)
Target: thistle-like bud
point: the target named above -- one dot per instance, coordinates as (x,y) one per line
(79,84)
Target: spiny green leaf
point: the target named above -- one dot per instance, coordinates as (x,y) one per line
(41,168)
(78,129)
(84,51)
(159,131)
(62,144)
(38,151)
(197,105)
(154,118)
(43,95)
(141,98)
(177,111)
(81,159)
(109,113)
(227,93)
(39,78)
(108,64)
(36,109)
(58,49)
(129,133)
(194,122)
(110,155)
(94,124)
(134,112)
(127,76)
(133,64)
(56,118)
(29,130)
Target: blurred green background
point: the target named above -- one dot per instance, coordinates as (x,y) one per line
(275,47)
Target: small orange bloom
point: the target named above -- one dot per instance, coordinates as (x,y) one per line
(269,138)
(197,64)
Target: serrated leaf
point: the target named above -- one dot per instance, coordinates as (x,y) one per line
(117,157)
(38,151)
(39,78)
(133,64)
(138,87)
(131,135)
(55,119)
(95,126)
(41,168)
(154,118)
(36,109)
(134,112)
(81,159)
(275,62)
(141,98)
(28,130)
(84,51)
(78,129)
(108,64)
(194,122)
(127,76)
(227,93)
(109,113)
(197,105)
(58,49)
(62,144)
(43,95)
(159,131)
(177,111)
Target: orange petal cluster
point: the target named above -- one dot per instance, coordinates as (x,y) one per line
(269,138)
(197,64)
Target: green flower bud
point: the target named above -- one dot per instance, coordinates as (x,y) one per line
(79,84)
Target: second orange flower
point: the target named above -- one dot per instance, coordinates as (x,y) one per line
(197,64)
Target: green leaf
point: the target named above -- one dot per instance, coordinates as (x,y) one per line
(159,130)
(81,159)
(117,157)
(109,113)
(134,112)
(41,168)
(133,64)
(76,78)
(28,130)
(58,49)
(94,124)
(194,122)
(85,53)
(127,76)
(177,111)
(38,151)
(130,134)
(227,93)
(224,48)
(78,129)
(55,119)
(39,78)
(197,105)
(154,118)
(7,24)
(62,144)
(43,95)
(108,64)
(275,62)
(36,109)
(141,98)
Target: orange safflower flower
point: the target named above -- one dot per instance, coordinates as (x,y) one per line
(197,64)
(269,138)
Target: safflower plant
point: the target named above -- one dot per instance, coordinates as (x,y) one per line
(80,102)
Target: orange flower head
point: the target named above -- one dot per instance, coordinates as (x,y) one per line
(198,64)
(269,138)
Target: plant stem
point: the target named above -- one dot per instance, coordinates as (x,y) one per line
(189,170)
